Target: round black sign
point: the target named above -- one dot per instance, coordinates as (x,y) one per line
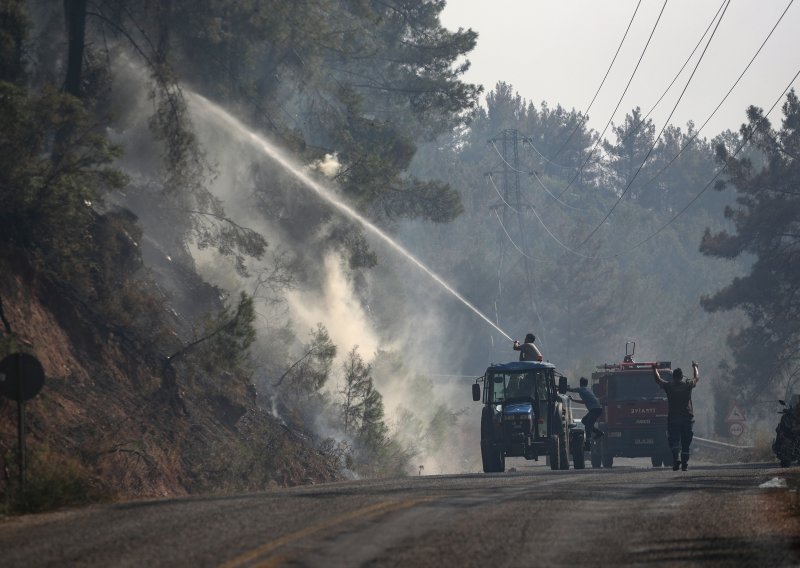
(21,368)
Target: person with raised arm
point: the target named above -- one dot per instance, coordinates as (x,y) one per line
(593,408)
(680,414)
(527,350)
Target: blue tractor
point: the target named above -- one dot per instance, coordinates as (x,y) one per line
(526,413)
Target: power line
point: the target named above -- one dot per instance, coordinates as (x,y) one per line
(720,170)
(551,194)
(510,140)
(546,159)
(500,195)
(678,74)
(702,191)
(502,226)
(533,173)
(697,133)
(585,116)
(599,138)
(546,228)
(666,122)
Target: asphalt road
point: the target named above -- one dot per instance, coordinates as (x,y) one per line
(630,515)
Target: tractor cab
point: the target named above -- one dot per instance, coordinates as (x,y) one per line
(526,413)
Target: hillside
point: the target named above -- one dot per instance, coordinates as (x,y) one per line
(114,421)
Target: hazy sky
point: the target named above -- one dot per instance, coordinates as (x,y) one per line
(559,50)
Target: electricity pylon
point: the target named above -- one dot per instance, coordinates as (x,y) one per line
(510,206)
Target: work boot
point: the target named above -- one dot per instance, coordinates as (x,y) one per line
(684,462)
(676,463)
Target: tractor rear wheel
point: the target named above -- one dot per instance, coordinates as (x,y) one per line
(563,452)
(553,452)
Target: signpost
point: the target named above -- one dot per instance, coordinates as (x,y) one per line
(736,419)
(21,378)
(736,415)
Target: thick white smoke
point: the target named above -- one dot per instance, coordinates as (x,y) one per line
(329,166)
(337,308)
(332,302)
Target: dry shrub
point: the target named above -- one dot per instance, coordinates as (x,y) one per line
(762,448)
(53,480)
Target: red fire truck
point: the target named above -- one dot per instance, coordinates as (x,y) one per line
(634,418)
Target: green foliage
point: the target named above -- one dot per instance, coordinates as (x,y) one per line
(228,336)
(363,80)
(635,136)
(299,389)
(356,387)
(767,226)
(582,310)
(186,174)
(48,188)
(375,451)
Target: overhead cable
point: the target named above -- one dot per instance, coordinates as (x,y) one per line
(697,132)
(585,116)
(718,173)
(550,193)
(546,228)
(533,173)
(675,78)
(500,195)
(720,170)
(599,138)
(523,253)
(655,141)
(545,158)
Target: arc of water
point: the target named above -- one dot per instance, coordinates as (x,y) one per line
(325,193)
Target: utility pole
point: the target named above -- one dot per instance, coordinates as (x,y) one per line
(509,206)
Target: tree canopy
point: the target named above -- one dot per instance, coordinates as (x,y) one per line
(766,220)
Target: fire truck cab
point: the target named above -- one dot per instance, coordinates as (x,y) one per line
(634,419)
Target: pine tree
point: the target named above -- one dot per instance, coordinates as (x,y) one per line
(767,226)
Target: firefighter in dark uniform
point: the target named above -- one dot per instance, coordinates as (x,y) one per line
(680,416)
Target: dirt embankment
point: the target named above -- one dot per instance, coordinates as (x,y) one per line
(107,408)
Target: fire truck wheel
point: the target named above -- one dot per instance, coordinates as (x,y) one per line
(656,461)
(608,460)
(596,457)
(578,458)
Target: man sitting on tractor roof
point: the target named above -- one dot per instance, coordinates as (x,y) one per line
(528,351)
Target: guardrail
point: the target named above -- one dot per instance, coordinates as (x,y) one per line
(713,444)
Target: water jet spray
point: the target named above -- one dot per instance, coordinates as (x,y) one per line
(325,193)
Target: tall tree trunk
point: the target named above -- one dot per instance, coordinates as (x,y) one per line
(75,16)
